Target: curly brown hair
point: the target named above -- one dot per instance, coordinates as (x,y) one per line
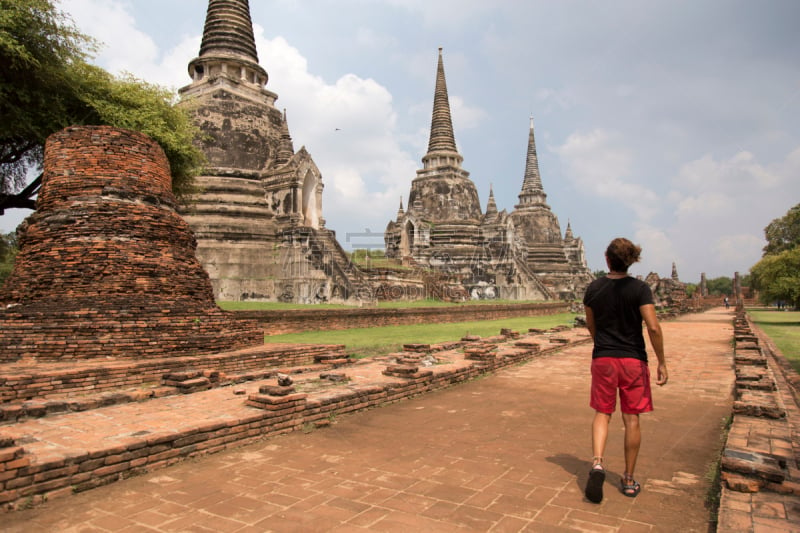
(621,254)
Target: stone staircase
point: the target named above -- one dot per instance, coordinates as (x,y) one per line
(224,207)
(327,255)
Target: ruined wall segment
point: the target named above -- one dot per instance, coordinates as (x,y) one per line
(107,267)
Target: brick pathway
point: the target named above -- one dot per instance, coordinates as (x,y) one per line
(508,452)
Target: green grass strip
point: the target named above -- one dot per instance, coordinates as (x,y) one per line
(783,327)
(367,342)
(278,306)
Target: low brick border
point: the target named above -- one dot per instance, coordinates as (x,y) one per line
(24,483)
(299,320)
(760,474)
(21,382)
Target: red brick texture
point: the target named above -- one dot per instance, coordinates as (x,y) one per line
(298,320)
(106,267)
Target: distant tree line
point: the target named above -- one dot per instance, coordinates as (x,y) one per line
(777,274)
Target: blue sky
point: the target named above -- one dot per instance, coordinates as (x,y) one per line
(674,123)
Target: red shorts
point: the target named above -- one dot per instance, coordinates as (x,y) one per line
(630,376)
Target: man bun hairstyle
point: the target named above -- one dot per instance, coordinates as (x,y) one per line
(621,254)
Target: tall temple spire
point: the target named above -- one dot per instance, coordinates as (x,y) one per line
(532,191)
(228,53)
(229,30)
(442,143)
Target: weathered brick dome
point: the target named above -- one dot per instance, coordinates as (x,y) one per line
(106,266)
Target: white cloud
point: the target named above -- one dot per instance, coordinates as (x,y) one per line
(599,164)
(125,48)
(553,100)
(349,127)
(658,252)
(708,204)
(734,248)
(447,13)
(464,115)
(740,171)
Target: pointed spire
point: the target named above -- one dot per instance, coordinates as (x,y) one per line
(400,212)
(532,191)
(442,138)
(442,143)
(286,148)
(229,30)
(674,272)
(491,205)
(568,236)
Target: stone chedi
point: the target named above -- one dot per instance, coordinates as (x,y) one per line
(559,262)
(106,267)
(441,228)
(258,216)
(494,254)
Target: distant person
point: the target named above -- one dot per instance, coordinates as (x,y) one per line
(727,303)
(615,307)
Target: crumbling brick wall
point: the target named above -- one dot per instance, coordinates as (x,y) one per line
(106,267)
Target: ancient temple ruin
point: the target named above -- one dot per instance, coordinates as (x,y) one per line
(520,255)
(669,292)
(559,262)
(258,217)
(106,267)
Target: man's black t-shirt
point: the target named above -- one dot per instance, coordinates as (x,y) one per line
(615,306)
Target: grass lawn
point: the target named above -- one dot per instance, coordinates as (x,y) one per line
(366,342)
(783,327)
(271,306)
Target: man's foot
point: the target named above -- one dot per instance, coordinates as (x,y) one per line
(594,487)
(630,487)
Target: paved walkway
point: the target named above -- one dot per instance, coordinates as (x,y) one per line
(508,452)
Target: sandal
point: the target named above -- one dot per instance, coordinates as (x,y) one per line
(630,487)
(594,487)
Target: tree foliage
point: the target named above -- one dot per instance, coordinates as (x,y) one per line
(720,286)
(777,274)
(783,233)
(127,102)
(47,84)
(8,252)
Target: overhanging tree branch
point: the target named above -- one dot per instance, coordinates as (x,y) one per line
(23,199)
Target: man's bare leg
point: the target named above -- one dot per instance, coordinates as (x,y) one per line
(597,475)
(633,441)
(599,434)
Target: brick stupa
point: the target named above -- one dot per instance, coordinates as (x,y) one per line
(107,267)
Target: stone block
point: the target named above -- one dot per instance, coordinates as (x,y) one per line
(762,466)
(276,390)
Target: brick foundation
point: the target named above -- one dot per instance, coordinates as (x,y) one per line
(24,481)
(107,267)
(298,320)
